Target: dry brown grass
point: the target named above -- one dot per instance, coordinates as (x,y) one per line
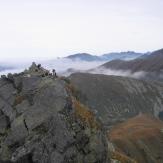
(85,115)
(81,111)
(122,157)
(71,88)
(18,100)
(140,127)
(140,133)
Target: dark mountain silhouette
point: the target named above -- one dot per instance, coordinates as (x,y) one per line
(152,63)
(129,55)
(83,57)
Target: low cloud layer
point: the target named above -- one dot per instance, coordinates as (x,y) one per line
(66,67)
(61,65)
(125,73)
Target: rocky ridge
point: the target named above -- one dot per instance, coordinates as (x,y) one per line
(41,121)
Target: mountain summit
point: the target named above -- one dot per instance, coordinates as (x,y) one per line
(41,121)
(129,55)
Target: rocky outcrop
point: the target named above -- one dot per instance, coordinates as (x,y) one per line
(49,119)
(41,121)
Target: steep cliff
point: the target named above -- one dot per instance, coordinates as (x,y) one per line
(41,121)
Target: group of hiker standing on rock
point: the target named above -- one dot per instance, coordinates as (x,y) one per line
(46,72)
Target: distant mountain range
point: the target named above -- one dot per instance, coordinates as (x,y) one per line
(2,68)
(83,57)
(151,64)
(129,55)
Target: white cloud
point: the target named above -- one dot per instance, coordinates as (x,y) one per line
(46,28)
(125,73)
(66,67)
(61,65)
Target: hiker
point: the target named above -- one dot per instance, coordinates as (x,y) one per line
(39,66)
(54,73)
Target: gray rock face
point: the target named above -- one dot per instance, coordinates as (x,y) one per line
(38,123)
(7,98)
(7,109)
(4,122)
(30,83)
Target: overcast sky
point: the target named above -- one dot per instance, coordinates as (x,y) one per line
(56,28)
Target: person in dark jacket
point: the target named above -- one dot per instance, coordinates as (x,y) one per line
(39,66)
(54,73)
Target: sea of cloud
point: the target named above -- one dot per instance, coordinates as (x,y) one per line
(66,67)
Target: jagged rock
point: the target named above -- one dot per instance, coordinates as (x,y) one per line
(6,92)
(42,125)
(7,109)
(33,67)
(37,70)
(22,107)
(18,82)
(17,133)
(10,77)
(3,77)
(4,122)
(30,83)
(3,80)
